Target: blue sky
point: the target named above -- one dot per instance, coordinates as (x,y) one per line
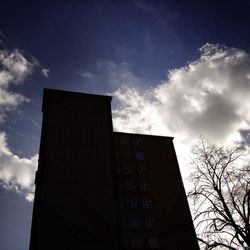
(177,68)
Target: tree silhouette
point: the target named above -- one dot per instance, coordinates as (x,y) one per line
(220,196)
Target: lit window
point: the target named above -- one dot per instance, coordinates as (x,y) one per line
(149,221)
(129,185)
(139,156)
(153,242)
(131,203)
(136,243)
(144,186)
(147,203)
(142,170)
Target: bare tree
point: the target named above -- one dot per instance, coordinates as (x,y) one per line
(220,197)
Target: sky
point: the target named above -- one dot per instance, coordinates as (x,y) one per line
(174,68)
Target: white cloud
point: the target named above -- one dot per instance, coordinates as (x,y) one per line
(209,96)
(87,75)
(14,68)
(15,65)
(15,172)
(108,74)
(45,72)
(117,73)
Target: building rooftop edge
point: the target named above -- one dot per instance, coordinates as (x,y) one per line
(126,133)
(67,92)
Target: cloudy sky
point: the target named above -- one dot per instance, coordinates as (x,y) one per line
(174,68)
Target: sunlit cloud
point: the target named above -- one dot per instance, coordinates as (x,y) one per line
(45,72)
(209,96)
(15,172)
(109,74)
(117,74)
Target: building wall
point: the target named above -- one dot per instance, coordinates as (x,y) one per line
(153,209)
(74,202)
(99,189)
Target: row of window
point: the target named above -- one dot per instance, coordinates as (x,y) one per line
(152,242)
(136,221)
(137,181)
(128,169)
(128,155)
(136,203)
(126,140)
(132,186)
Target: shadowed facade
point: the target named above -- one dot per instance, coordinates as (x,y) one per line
(99,189)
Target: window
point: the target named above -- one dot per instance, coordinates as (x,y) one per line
(124,140)
(129,185)
(139,156)
(149,221)
(153,242)
(133,221)
(142,170)
(137,141)
(126,155)
(127,169)
(131,203)
(147,203)
(136,243)
(144,186)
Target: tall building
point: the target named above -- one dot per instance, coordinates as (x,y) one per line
(99,189)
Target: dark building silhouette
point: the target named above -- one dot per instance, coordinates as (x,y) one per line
(99,189)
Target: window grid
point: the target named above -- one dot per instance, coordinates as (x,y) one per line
(141,184)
